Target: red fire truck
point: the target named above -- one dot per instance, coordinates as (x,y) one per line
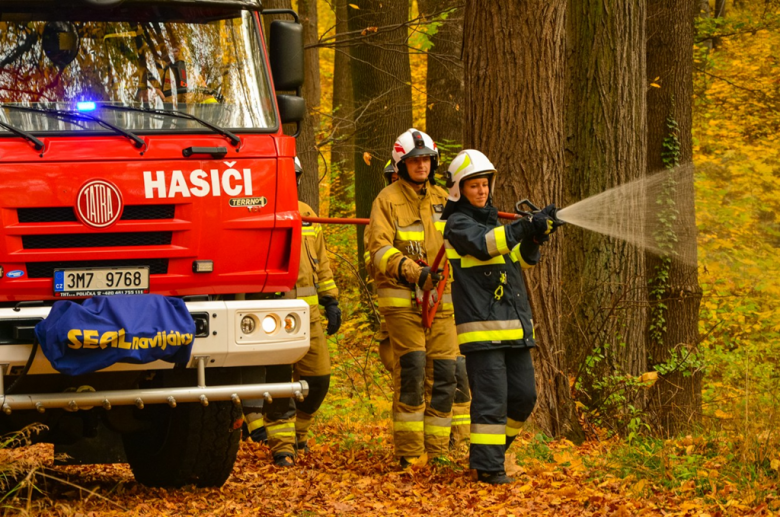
(142,152)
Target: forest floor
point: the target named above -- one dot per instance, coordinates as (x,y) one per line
(351,471)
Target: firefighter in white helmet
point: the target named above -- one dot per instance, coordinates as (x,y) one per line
(492,314)
(403,238)
(287,422)
(461,419)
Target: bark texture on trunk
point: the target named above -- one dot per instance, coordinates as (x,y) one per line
(604,278)
(342,154)
(513,52)
(675,294)
(312,91)
(444,80)
(381,82)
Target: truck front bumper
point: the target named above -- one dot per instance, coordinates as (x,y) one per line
(280,336)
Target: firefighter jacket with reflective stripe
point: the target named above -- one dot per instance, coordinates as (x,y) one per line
(491,302)
(315,279)
(404,224)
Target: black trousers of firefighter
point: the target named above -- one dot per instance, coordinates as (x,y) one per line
(503,394)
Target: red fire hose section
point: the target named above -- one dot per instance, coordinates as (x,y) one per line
(428,310)
(355,221)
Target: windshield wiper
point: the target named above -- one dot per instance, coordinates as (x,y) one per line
(37,144)
(234,140)
(138,143)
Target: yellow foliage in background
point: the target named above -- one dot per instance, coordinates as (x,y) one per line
(737,158)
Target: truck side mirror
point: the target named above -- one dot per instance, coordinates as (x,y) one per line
(291,108)
(286,46)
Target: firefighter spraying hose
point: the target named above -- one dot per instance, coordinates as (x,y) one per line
(523,209)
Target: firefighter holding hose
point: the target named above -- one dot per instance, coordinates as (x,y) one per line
(492,314)
(403,238)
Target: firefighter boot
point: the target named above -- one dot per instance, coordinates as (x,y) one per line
(494,478)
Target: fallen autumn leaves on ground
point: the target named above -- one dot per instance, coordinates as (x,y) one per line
(362,478)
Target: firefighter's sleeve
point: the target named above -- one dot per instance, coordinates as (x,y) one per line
(326,285)
(379,238)
(526,254)
(468,237)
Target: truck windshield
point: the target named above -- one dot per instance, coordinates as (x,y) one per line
(213,70)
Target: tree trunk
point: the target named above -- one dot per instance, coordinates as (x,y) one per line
(514,114)
(306,149)
(718,12)
(307,11)
(444,80)
(604,278)
(342,154)
(381,82)
(675,399)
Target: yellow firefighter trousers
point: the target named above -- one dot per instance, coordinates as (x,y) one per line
(461,407)
(423,380)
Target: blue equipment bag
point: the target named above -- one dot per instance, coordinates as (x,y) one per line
(83,338)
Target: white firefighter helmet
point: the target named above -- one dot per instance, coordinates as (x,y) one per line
(413,143)
(298,170)
(469,163)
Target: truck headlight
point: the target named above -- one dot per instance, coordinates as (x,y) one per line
(291,323)
(248,324)
(270,324)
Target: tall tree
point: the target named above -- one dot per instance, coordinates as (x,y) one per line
(312,91)
(675,399)
(604,278)
(342,155)
(444,80)
(513,108)
(306,148)
(381,82)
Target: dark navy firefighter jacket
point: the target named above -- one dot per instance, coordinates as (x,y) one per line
(489,293)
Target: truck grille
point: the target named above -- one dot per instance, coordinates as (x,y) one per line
(96,240)
(46,269)
(65,214)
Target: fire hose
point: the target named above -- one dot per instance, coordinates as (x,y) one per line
(428,309)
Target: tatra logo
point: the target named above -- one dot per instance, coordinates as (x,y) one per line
(78,339)
(198,183)
(99,203)
(249,201)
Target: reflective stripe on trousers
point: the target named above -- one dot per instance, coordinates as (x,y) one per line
(409,422)
(488,434)
(438,426)
(476,331)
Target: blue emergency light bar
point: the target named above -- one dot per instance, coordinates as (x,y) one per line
(85,106)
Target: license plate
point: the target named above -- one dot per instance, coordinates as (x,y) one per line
(101,281)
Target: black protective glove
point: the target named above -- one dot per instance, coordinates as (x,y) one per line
(551,210)
(543,225)
(332,313)
(428,278)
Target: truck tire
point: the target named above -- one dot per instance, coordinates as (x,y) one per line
(187,444)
